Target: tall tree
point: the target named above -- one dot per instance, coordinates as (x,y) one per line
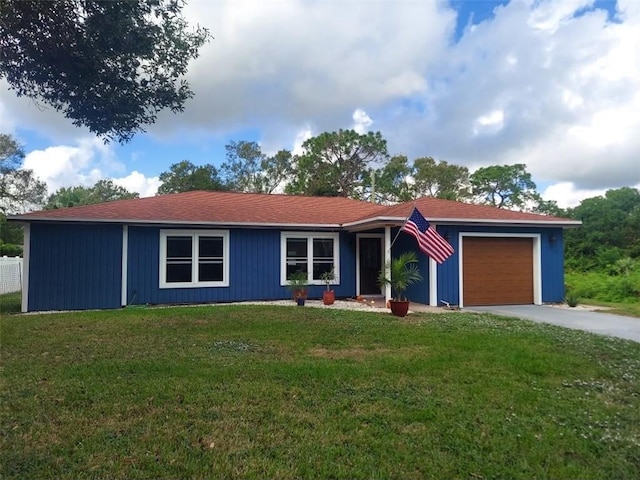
(102,191)
(247,169)
(505,186)
(390,183)
(184,176)
(20,190)
(549,207)
(335,163)
(108,65)
(440,179)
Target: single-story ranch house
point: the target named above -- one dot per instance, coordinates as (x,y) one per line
(199,247)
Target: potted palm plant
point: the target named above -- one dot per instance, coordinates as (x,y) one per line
(297,283)
(328,296)
(403,272)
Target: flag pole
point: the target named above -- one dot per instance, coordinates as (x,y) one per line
(400,230)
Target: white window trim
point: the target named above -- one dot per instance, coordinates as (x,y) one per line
(309,236)
(194,234)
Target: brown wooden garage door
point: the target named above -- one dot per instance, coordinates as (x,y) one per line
(497,271)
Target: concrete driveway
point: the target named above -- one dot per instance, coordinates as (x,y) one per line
(578,319)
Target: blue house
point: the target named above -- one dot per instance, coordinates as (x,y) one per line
(200,247)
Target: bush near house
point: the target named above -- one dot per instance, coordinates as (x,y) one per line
(10,250)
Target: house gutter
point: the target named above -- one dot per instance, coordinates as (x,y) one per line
(127,221)
(373,222)
(378,221)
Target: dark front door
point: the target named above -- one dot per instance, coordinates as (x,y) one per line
(370,265)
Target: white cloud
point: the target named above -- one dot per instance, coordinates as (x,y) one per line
(566,81)
(554,85)
(361,121)
(137,182)
(308,61)
(490,123)
(567,195)
(302,136)
(84,164)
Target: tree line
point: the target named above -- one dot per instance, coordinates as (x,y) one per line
(348,164)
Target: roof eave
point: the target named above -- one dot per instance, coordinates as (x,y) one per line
(358,225)
(129,221)
(377,222)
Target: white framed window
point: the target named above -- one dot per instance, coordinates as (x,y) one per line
(312,253)
(194,258)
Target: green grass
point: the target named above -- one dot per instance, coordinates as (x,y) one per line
(603,287)
(10,303)
(620,294)
(277,392)
(618,308)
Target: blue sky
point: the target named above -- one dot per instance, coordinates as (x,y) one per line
(553,84)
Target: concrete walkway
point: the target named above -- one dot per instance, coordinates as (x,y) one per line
(578,319)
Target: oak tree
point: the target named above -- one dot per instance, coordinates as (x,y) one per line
(111,66)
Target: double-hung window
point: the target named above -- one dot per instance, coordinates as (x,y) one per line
(312,253)
(194,258)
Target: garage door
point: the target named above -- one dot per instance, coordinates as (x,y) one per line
(497,271)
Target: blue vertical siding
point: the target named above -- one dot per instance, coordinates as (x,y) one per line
(74,267)
(254,269)
(552,265)
(79,267)
(448,271)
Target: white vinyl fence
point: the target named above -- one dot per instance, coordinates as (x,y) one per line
(10,274)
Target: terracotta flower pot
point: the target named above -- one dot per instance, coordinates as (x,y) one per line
(399,308)
(328,297)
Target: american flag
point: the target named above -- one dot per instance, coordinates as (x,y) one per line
(430,242)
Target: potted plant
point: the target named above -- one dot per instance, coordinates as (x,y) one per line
(328,296)
(297,283)
(403,272)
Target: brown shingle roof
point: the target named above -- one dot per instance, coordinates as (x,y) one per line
(218,207)
(437,209)
(256,209)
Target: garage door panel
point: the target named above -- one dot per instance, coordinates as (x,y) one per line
(497,271)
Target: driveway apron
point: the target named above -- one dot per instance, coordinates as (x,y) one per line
(578,319)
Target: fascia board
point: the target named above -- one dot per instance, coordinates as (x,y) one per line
(471,221)
(129,221)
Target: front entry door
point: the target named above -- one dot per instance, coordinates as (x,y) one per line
(370,259)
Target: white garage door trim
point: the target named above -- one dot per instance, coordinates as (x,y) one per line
(537,260)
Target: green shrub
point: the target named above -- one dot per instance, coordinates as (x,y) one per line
(10,250)
(608,288)
(625,266)
(571,299)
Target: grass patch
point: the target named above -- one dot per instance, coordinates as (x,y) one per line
(619,293)
(626,309)
(10,303)
(278,392)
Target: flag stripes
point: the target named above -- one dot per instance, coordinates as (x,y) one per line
(430,242)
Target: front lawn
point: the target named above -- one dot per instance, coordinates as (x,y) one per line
(287,392)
